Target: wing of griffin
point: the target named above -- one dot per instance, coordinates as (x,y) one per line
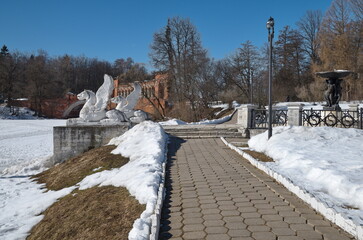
(133,97)
(103,93)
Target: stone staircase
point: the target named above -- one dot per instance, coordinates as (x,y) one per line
(206,131)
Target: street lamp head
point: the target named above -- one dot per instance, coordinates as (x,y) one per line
(270,23)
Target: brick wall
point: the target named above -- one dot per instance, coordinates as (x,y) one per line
(155,94)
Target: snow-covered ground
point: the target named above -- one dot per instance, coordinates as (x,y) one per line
(25,146)
(203,122)
(322,161)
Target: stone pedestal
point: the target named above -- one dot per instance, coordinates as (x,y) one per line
(244,116)
(71,141)
(294,116)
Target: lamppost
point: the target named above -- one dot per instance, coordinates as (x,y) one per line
(270,27)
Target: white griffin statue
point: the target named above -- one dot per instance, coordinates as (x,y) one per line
(94,109)
(124,110)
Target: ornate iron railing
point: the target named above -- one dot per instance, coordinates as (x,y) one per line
(259,118)
(339,118)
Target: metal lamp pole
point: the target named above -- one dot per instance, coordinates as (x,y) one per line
(270,27)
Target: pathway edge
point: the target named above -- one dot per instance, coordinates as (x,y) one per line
(155,218)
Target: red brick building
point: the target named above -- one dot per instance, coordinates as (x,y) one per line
(155,94)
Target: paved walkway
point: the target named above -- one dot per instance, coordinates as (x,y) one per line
(213,193)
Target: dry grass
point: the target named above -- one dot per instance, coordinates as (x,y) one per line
(259,156)
(96,213)
(75,169)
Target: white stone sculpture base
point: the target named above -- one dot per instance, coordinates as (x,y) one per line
(104,122)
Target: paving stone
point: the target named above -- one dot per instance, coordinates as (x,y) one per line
(263,235)
(318,222)
(242,238)
(209,206)
(190,205)
(277,224)
(206,201)
(193,221)
(205,193)
(272,217)
(193,227)
(217,237)
(233,219)
(210,211)
(212,217)
(267,211)
(243,204)
(250,215)
(239,233)
(191,210)
(216,230)
(194,235)
(309,234)
(283,231)
(312,216)
(176,233)
(222,203)
(283,208)
(247,209)
(254,221)
(294,220)
(290,238)
(227,207)
(227,213)
(290,213)
(301,227)
(263,206)
(214,223)
(258,228)
(241,199)
(192,215)
(175,225)
(260,201)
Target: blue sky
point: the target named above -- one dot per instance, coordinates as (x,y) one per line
(113,29)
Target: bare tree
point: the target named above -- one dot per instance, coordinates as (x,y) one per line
(177,49)
(242,67)
(309,26)
(357,7)
(341,45)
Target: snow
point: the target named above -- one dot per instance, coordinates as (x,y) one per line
(145,146)
(25,146)
(203,122)
(325,162)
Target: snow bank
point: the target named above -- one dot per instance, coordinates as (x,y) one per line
(145,146)
(326,162)
(202,122)
(21,203)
